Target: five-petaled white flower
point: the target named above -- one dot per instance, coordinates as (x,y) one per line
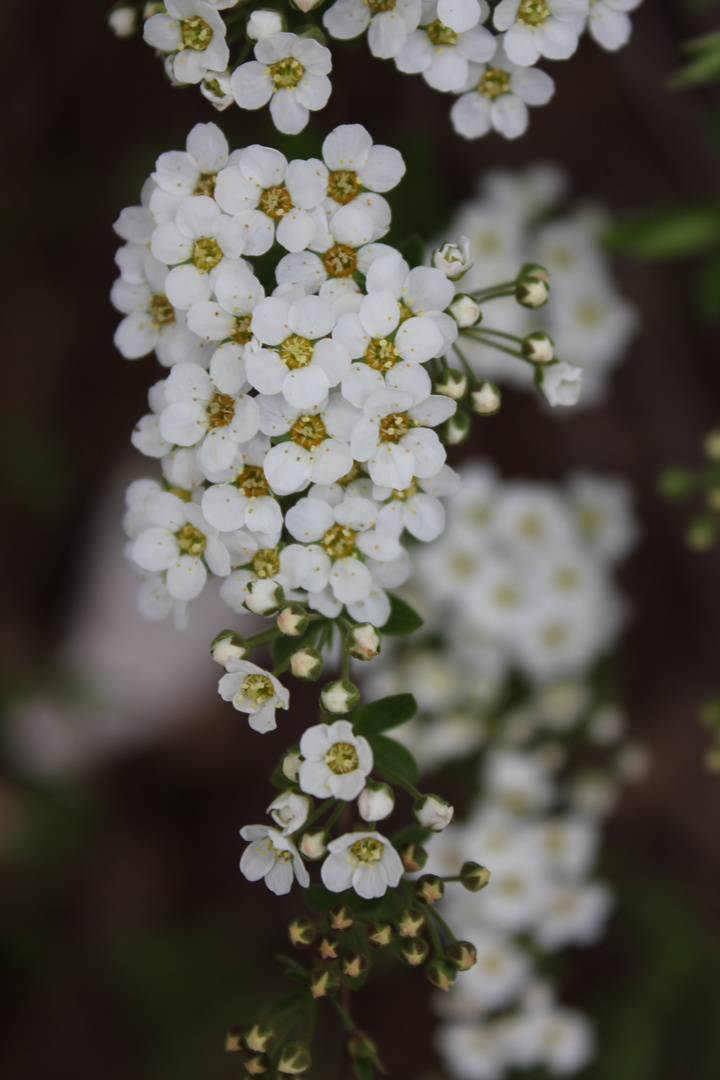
(335,762)
(289,72)
(194,32)
(364,861)
(497,95)
(254,691)
(272,856)
(536,28)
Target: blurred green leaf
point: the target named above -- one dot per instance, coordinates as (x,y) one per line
(403,619)
(706,63)
(707,290)
(667,232)
(393,761)
(386,713)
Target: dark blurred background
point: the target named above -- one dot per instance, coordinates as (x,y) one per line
(129,940)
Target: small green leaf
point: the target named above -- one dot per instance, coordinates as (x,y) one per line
(319,898)
(403,619)
(667,232)
(413,250)
(364,1068)
(413,834)
(392,760)
(386,713)
(705,65)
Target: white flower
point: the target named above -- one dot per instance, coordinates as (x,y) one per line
(537,28)
(215,88)
(246,499)
(609,24)
(290,811)
(364,861)
(270,198)
(442,53)
(338,249)
(416,508)
(573,914)
(272,856)
(195,33)
(210,409)
(453,259)
(228,317)
(388,22)
(356,171)
(317,451)
(471,1051)
(433,813)
(264,22)
(257,565)
(254,691)
(336,761)
(376,802)
(123,21)
(602,507)
(182,173)
(497,96)
(424,291)
(205,241)
(289,72)
(181,542)
(392,440)
(560,382)
(299,360)
(558,1038)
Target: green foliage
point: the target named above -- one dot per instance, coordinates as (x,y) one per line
(413,250)
(384,714)
(667,232)
(284,647)
(403,619)
(705,63)
(707,290)
(393,761)
(321,899)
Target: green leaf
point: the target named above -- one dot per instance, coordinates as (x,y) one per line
(364,1068)
(707,290)
(392,760)
(384,714)
(705,65)
(413,834)
(403,619)
(667,232)
(413,250)
(321,899)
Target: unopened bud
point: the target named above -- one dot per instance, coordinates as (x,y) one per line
(301,932)
(295,1059)
(711,445)
(441,973)
(322,981)
(462,954)
(306,664)
(260,1038)
(415,951)
(313,845)
(227,645)
(290,811)
(264,596)
(451,383)
(354,964)
(433,812)
(702,532)
(123,21)
(305,5)
(291,765)
(341,917)
(376,801)
(453,259)
(709,714)
(292,620)
(465,311)
(712,498)
(152,7)
(532,293)
(234,1040)
(473,876)
(328,948)
(380,934)
(256,1065)
(363,641)
(676,483)
(339,697)
(538,347)
(485,399)
(414,857)
(456,430)
(361,1045)
(429,889)
(264,23)
(409,922)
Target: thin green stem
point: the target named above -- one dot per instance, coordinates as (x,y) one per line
(497,333)
(345,669)
(468,370)
(441,922)
(344,1016)
(334,816)
(434,936)
(317,812)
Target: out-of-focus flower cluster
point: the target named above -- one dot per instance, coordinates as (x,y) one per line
(458,46)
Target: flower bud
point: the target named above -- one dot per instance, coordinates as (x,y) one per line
(227,645)
(376,801)
(216,89)
(711,445)
(532,286)
(702,532)
(328,948)
(234,1040)
(305,5)
(260,1038)
(462,954)
(301,932)
(380,934)
(559,382)
(709,714)
(453,259)
(465,311)
(474,877)
(292,620)
(291,765)
(414,857)
(676,483)
(295,1059)
(341,917)
(456,430)
(485,398)
(123,21)
(415,951)
(152,7)
(264,23)
(322,981)
(313,845)
(429,889)
(712,498)
(538,347)
(441,973)
(264,596)
(363,641)
(290,811)
(256,1065)
(409,922)
(451,383)
(306,664)
(433,813)
(339,697)
(361,1045)
(354,964)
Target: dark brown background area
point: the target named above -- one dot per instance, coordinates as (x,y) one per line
(127,926)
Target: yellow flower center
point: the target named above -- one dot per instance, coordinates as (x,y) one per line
(349,476)
(206,184)
(220,410)
(462,564)
(376,6)
(494,83)
(258,688)
(161,310)
(286,73)
(554,635)
(342,185)
(340,261)
(567,578)
(404,493)
(440,34)
(394,426)
(533,12)
(590,521)
(195,33)
(381,354)
(338,542)
(505,596)
(341,758)
(190,540)
(296,351)
(589,313)
(275,202)
(242,332)
(206,253)
(367,850)
(530,526)
(266,562)
(405,312)
(308,431)
(181,493)
(251,483)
